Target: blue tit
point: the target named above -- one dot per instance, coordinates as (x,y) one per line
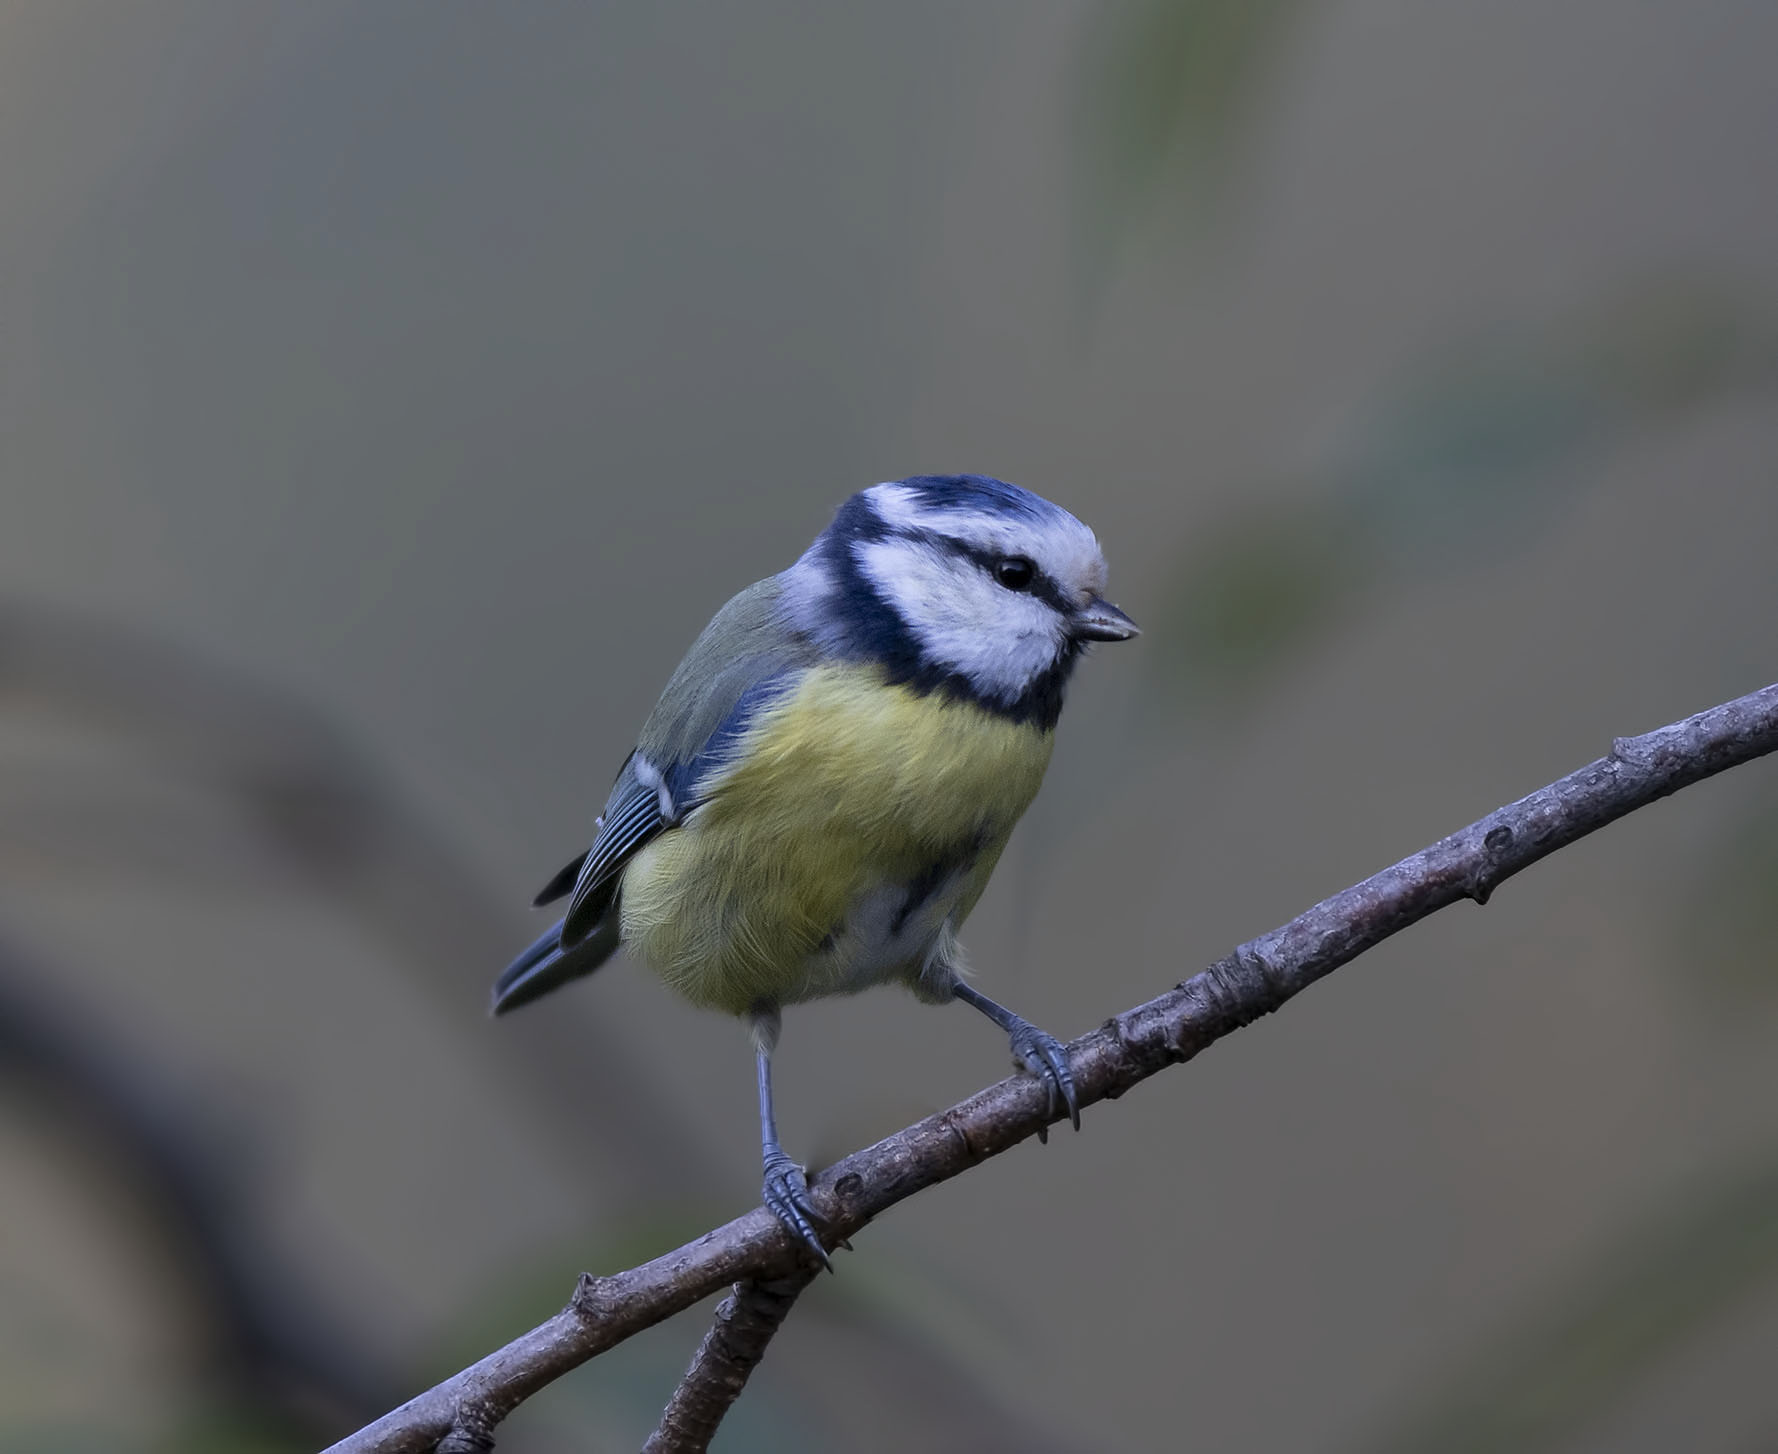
(817,800)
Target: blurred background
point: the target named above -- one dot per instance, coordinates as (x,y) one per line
(389,393)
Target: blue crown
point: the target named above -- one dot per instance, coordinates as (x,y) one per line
(981,493)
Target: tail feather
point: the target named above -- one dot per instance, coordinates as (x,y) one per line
(561,885)
(546,966)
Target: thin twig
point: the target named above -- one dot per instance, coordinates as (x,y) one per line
(1253,981)
(744,1323)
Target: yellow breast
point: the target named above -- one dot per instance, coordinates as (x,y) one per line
(840,793)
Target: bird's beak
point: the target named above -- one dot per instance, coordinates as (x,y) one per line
(1101,621)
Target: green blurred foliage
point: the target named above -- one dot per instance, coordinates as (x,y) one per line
(1274,580)
(234,1430)
(221,1428)
(1725,939)
(1166,89)
(1564,1363)
(1468,458)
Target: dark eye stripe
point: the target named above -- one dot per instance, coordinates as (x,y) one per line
(1042,585)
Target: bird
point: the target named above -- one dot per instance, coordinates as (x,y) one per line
(820,795)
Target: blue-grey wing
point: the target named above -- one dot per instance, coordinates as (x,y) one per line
(637,810)
(744,660)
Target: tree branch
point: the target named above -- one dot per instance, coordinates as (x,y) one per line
(745,1322)
(1253,981)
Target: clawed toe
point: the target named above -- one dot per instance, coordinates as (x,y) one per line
(786,1194)
(1047,1059)
(1043,1055)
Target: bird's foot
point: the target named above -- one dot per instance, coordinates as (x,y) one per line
(1047,1059)
(787,1195)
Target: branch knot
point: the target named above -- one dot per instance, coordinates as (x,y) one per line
(1497,843)
(593,1298)
(472,1433)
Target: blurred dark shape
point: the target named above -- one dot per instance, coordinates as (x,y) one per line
(340,828)
(271,1358)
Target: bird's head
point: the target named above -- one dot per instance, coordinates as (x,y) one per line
(961,584)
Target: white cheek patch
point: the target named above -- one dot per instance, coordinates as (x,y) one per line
(999,639)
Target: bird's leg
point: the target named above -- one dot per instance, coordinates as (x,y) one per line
(786,1188)
(1043,1055)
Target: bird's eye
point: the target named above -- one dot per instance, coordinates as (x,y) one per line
(1015,572)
